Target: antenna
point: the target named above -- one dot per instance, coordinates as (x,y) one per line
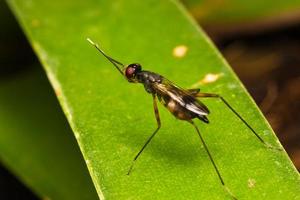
(113,61)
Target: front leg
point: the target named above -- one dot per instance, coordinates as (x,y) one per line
(156,112)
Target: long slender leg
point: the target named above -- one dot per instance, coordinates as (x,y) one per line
(194,91)
(203,95)
(153,134)
(211,159)
(209,155)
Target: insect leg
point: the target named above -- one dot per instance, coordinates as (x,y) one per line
(209,155)
(156,112)
(203,95)
(193,91)
(212,160)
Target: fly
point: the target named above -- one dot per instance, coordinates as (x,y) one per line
(182,103)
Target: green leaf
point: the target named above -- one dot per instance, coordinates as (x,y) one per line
(112,119)
(36,142)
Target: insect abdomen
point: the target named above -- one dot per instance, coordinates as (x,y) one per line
(176,109)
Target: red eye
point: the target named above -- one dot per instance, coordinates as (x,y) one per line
(130,71)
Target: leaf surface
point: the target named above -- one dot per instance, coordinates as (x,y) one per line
(112,119)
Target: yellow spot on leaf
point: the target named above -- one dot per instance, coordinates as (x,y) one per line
(57,92)
(208,78)
(251,183)
(180,51)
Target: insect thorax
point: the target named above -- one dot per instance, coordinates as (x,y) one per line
(147,79)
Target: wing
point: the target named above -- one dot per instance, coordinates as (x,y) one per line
(181,96)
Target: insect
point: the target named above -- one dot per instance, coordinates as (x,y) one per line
(182,103)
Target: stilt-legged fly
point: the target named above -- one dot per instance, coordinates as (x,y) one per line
(182,103)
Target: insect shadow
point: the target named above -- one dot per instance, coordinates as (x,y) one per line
(166,145)
(184,104)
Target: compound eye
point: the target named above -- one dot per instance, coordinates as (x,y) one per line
(132,69)
(130,72)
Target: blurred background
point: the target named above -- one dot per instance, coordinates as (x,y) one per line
(259,39)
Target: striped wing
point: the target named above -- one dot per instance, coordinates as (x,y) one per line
(181,96)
